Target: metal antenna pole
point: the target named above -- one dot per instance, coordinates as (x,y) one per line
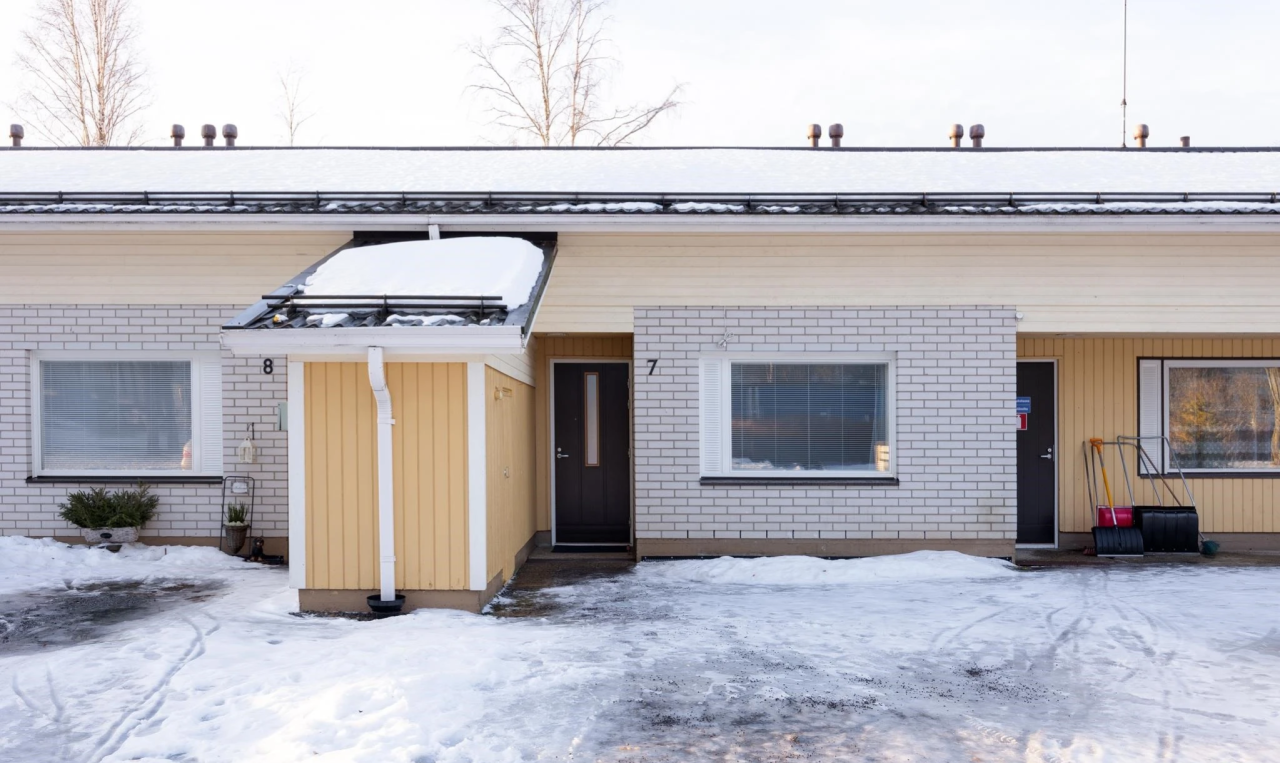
(1124,83)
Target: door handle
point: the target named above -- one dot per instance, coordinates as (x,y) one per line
(1048,455)
(562,455)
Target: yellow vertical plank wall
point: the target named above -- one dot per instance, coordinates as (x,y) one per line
(429,447)
(569,347)
(1098,397)
(429,443)
(341,476)
(509,495)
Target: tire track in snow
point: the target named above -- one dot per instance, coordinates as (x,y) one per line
(1171,683)
(55,718)
(146,708)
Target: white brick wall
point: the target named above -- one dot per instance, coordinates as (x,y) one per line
(249,396)
(956,459)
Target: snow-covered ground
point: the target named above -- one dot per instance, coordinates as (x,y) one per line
(925,657)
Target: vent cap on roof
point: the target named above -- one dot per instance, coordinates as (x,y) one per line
(815,134)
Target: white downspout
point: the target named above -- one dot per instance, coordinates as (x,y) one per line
(386,503)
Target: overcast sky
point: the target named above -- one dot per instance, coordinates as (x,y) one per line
(1035,72)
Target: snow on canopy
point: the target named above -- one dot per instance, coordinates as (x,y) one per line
(701,170)
(478,266)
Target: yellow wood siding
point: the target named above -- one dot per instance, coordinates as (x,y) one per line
(429,440)
(548,348)
(509,470)
(429,443)
(154,268)
(1098,397)
(1061,282)
(341,477)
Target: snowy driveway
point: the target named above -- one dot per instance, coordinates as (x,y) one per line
(921,658)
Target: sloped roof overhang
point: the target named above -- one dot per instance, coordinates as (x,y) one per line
(416,341)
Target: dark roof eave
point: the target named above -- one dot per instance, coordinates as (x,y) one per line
(638,203)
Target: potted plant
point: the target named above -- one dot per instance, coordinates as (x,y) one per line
(236,526)
(110,518)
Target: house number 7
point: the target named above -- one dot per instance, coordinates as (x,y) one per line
(268,366)
(653,363)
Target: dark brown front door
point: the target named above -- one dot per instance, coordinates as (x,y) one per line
(591,454)
(1037,460)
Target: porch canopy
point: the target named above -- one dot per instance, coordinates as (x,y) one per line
(465,295)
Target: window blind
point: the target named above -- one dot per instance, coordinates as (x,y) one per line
(710,393)
(116,415)
(809,417)
(1150,413)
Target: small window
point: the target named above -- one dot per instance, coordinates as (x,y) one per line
(797,419)
(128,416)
(1221,415)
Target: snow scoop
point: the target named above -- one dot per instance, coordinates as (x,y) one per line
(1118,537)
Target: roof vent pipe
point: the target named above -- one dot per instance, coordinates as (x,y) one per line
(1185,140)
(977,133)
(209,133)
(815,135)
(178,133)
(836,131)
(1140,134)
(230,132)
(16,132)
(956,135)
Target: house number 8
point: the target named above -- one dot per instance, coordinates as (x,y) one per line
(268,366)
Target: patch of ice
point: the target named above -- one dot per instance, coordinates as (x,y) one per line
(34,563)
(808,570)
(480,266)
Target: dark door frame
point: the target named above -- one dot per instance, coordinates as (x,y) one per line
(1058,453)
(551,445)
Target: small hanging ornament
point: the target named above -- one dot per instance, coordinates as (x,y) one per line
(248,452)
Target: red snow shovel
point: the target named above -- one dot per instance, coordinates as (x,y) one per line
(1114,533)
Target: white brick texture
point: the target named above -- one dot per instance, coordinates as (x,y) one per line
(186,510)
(956,458)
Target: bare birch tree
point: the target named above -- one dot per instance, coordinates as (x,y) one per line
(546,71)
(293,103)
(85,82)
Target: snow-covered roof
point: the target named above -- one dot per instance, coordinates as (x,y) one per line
(697,170)
(678,180)
(463,281)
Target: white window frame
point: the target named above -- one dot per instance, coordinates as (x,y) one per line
(1170,363)
(206,413)
(726,407)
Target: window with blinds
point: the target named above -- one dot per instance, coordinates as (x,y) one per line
(796,418)
(117,416)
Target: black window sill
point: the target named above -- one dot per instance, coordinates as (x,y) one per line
(798,481)
(1265,475)
(116,479)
